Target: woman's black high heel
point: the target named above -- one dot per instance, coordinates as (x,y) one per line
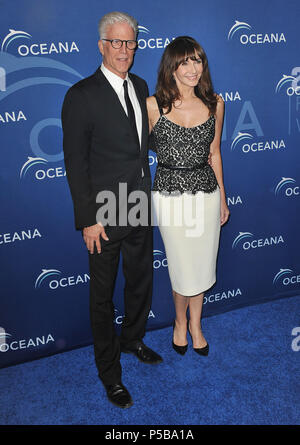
(200,351)
(179,349)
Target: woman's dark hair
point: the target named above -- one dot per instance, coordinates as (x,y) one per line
(180,49)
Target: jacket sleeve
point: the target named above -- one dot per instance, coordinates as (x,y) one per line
(146,89)
(151,138)
(76,146)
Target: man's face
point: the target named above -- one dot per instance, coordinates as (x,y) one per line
(117,60)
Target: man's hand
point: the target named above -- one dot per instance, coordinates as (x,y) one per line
(91,235)
(209,159)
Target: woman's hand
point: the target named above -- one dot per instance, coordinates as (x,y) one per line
(224,212)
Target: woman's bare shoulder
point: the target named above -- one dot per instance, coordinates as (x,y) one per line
(152,103)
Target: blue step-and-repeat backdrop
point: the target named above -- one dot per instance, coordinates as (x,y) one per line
(47,46)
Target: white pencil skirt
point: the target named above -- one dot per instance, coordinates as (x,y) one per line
(190,229)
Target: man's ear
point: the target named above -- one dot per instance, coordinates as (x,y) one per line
(100,46)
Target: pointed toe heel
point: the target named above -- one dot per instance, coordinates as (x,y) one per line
(201,351)
(179,349)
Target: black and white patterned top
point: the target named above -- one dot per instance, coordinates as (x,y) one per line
(177,146)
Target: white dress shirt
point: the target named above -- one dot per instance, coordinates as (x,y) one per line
(117,84)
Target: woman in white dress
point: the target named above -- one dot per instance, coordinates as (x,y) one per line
(186,119)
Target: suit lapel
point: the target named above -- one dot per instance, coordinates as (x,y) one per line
(112,98)
(114,102)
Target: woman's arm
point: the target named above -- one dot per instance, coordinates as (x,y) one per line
(153,116)
(216,160)
(153,111)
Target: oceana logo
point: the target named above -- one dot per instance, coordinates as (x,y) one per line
(13,35)
(33,164)
(41,173)
(254,146)
(237,27)
(59,282)
(289,83)
(234,200)
(230,96)
(29,164)
(119,318)
(152,160)
(247,241)
(36,49)
(286,277)
(7,345)
(223,295)
(254,38)
(12,116)
(21,235)
(160,259)
(143,29)
(287,187)
(153,42)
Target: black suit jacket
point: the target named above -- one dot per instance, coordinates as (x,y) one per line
(99,147)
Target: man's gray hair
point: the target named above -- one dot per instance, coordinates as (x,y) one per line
(116,17)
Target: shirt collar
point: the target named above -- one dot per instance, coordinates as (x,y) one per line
(115,81)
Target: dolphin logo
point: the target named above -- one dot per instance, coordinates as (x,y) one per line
(281,273)
(12,36)
(3,334)
(3,337)
(285,79)
(143,29)
(240,136)
(283,182)
(29,163)
(237,26)
(241,235)
(45,274)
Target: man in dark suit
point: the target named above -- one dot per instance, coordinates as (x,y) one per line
(105,127)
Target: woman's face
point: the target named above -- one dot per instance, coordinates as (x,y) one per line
(189,72)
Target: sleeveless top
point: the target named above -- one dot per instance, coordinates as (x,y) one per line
(182,155)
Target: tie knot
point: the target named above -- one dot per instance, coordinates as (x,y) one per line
(125,85)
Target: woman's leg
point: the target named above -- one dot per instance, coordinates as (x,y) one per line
(195,308)
(181,304)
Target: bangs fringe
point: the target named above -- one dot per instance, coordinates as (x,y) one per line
(187,57)
(186,50)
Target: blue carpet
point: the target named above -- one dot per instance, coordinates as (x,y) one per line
(251,377)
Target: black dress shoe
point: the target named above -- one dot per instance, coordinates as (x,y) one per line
(179,349)
(118,395)
(143,353)
(200,351)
